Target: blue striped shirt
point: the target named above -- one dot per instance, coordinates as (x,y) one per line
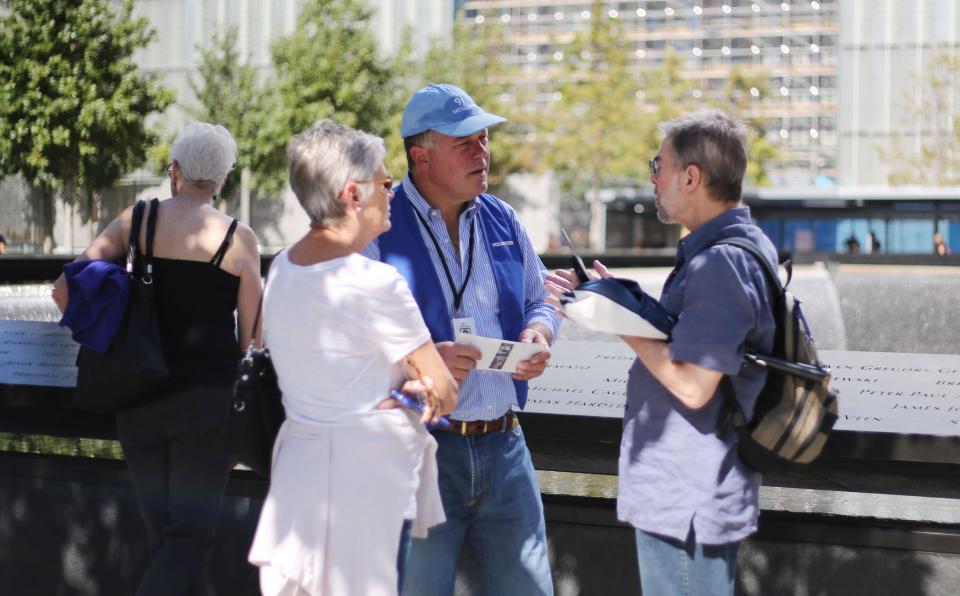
(484,395)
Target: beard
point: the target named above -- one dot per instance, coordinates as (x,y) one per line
(662,212)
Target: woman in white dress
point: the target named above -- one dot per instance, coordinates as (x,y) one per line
(349,465)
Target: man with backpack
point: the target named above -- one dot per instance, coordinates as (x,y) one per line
(682,483)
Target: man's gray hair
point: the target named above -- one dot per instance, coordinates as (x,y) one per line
(427,138)
(205,154)
(322,159)
(714,142)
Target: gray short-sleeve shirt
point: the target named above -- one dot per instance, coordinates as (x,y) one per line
(675,473)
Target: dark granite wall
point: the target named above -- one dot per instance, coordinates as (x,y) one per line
(70,527)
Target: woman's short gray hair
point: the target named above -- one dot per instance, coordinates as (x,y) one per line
(322,159)
(205,154)
(714,142)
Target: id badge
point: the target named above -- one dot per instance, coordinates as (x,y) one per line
(464,325)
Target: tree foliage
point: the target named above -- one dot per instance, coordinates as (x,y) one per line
(928,107)
(609,117)
(327,68)
(667,94)
(228,93)
(596,121)
(601,130)
(73,105)
(741,93)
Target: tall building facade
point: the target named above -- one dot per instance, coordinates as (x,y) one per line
(424,20)
(792,43)
(886,49)
(184,26)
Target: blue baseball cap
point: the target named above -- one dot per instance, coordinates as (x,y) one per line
(446,109)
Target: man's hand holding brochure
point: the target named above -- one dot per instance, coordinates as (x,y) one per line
(500,354)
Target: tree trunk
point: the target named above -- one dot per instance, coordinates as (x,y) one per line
(93,216)
(68,227)
(245,196)
(598,219)
(48,218)
(42,215)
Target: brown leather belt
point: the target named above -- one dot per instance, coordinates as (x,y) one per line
(482,427)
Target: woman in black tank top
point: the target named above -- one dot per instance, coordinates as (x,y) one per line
(195,305)
(174,444)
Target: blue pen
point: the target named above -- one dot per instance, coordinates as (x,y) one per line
(417,406)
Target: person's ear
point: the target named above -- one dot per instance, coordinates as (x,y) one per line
(420,155)
(692,177)
(350,195)
(174,174)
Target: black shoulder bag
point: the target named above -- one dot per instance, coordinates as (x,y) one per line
(257,411)
(133,368)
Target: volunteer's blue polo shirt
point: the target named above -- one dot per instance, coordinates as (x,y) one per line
(675,473)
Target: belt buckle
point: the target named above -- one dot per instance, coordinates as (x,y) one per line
(463,428)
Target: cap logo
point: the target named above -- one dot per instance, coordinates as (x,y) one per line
(460,105)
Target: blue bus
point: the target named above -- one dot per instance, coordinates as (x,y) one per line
(900,220)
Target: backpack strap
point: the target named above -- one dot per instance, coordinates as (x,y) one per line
(222,251)
(768,271)
(731,414)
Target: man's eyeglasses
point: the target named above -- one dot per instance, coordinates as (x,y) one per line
(386,183)
(654,166)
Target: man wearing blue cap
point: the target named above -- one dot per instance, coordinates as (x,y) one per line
(471,266)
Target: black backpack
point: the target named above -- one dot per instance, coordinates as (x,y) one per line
(796,409)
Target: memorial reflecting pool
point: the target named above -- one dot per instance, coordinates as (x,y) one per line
(871,308)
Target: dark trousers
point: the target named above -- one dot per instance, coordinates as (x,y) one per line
(174,451)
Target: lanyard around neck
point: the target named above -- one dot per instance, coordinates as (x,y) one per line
(457,294)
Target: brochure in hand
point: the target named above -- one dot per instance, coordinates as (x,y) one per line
(499,354)
(618,306)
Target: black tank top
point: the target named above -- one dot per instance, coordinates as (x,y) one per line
(195,303)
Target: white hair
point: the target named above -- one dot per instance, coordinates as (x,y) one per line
(322,159)
(205,154)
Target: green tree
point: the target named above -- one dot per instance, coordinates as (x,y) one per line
(597,121)
(72,104)
(405,79)
(666,94)
(927,107)
(327,68)
(742,93)
(228,93)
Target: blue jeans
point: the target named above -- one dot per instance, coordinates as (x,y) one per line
(494,513)
(671,568)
